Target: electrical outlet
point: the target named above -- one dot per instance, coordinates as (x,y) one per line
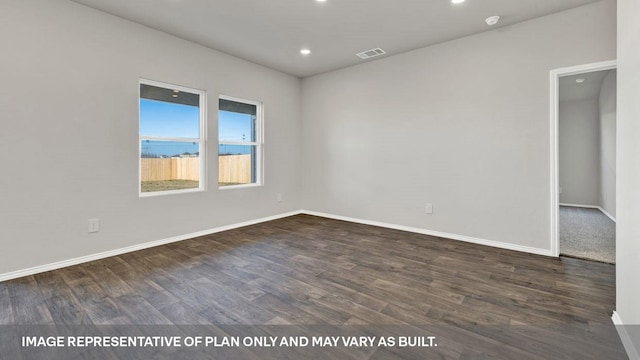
(429,208)
(279,197)
(94,225)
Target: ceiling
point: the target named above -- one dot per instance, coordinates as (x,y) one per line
(570,90)
(272,32)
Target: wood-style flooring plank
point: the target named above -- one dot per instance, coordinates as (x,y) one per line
(29,306)
(306,270)
(6,310)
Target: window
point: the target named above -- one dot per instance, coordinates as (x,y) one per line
(171,138)
(240,142)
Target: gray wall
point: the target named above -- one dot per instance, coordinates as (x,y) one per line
(463,125)
(587,148)
(69,139)
(628,160)
(607,142)
(579,152)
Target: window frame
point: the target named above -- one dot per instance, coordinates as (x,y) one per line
(202,139)
(259,143)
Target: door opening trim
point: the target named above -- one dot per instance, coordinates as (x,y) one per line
(555,76)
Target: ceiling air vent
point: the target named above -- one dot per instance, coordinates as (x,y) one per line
(371,53)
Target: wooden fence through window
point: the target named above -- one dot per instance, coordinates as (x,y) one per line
(235,169)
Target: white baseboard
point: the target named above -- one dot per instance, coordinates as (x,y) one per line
(106,254)
(606,213)
(629,347)
(580,206)
(492,243)
(591,207)
(120,251)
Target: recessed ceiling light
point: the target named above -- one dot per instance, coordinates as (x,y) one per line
(457,1)
(580,81)
(492,20)
(321,0)
(305,51)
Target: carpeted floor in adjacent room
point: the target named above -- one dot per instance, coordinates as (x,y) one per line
(587,234)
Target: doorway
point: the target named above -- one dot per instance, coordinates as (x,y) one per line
(583,161)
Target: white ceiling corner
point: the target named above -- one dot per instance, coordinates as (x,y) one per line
(271,33)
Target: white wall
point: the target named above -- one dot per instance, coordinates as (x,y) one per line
(628,165)
(463,125)
(607,151)
(587,148)
(579,152)
(69,139)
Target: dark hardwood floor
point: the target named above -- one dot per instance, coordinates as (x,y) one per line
(304,271)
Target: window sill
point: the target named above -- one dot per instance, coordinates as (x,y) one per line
(169,192)
(243,186)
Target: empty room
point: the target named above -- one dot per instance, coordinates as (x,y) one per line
(340,179)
